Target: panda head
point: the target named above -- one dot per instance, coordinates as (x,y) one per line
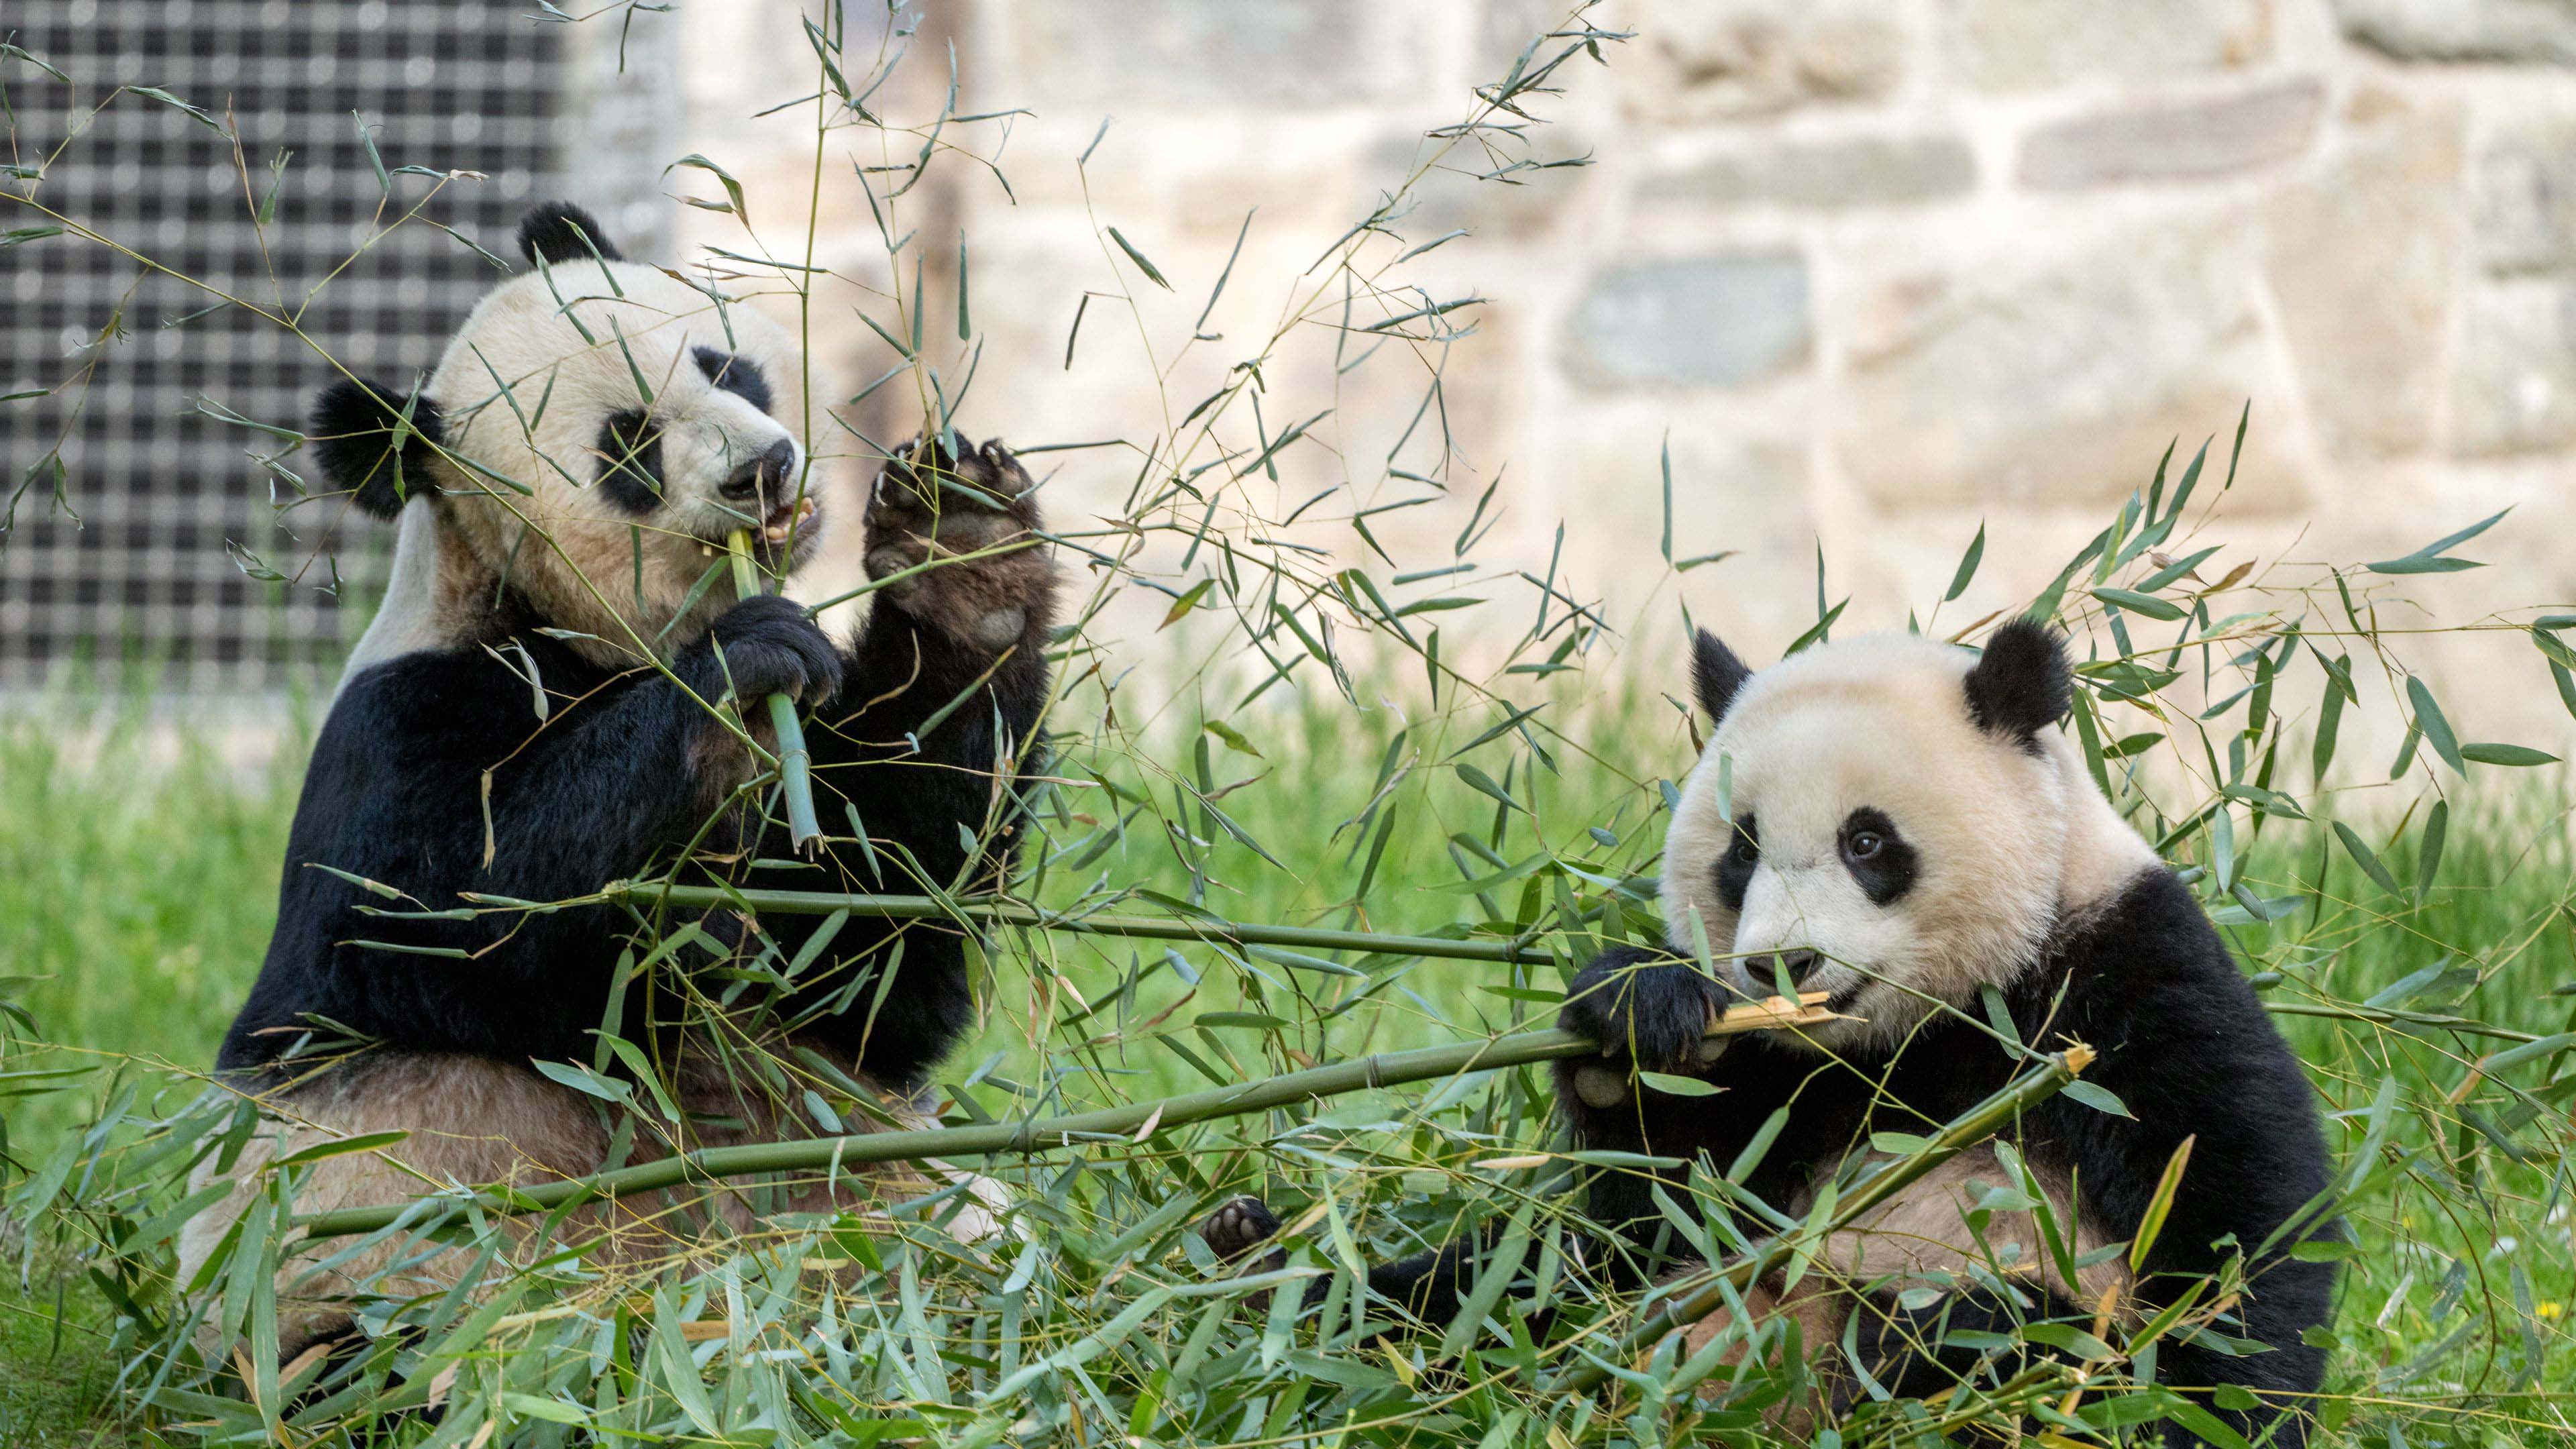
(1890,820)
(593,433)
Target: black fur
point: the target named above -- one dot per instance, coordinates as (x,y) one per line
(554,231)
(736,374)
(630,461)
(1735,868)
(1716,674)
(2183,1042)
(605,788)
(1886,875)
(2020,684)
(354,433)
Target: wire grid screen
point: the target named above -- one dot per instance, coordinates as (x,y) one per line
(147,578)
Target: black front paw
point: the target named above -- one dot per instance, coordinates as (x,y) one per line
(764,645)
(1641,1006)
(956,537)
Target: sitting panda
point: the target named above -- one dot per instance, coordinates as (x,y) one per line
(1900,823)
(549,701)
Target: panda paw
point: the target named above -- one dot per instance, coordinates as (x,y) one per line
(1241,1226)
(970,516)
(1647,1008)
(766,644)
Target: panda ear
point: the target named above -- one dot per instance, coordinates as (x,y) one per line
(1716,674)
(555,231)
(365,448)
(2021,684)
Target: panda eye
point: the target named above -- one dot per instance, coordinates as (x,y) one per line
(736,374)
(1747,850)
(1864,844)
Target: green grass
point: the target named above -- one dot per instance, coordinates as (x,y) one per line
(140,889)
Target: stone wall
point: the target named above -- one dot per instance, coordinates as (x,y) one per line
(1879,270)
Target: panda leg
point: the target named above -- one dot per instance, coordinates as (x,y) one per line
(470,1120)
(1424,1290)
(731,1109)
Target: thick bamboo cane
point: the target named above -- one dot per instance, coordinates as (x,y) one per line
(795,763)
(1133,1123)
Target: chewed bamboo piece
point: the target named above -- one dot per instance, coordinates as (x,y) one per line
(1128,1125)
(795,763)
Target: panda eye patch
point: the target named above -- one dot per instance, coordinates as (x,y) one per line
(1878,857)
(1735,867)
(630,461)
(736,374)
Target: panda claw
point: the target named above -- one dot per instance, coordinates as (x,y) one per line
(1239,1227)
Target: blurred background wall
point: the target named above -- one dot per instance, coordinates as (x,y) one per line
(1881,270)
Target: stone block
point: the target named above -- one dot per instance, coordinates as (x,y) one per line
(2364,260)
(2058,385)
(2514,387)
(2525,194)
(1698,60)
(1208,52)
(2528,32)
(2177,140)
(2028,45)
(1694,321)
(1853,171)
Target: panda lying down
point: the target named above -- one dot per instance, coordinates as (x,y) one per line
(1908,825)
(531,715)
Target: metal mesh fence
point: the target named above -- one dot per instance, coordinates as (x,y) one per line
(164,492)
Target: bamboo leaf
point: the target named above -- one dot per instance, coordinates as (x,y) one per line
(2490,753)
(1138,258)
(2160,1203)
(2368,859)
(1967,565)
(2436,728)
(724,178)
(2138,603)
(2429,559)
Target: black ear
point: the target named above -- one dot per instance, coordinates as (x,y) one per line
(355,429)
(1716,674)
(554,230)
(2020,686)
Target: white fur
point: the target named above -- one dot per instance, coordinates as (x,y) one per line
(562,543)
(2008,843)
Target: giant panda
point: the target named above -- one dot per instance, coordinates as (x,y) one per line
(552,698)
(1901,823)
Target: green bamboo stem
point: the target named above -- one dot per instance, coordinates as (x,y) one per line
(1703,1293)
(1011,913)
(1313,938)
(795,762)
(1133,1123)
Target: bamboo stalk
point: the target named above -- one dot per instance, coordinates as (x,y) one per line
(1174,928)
(1012,913)
(795,762)
(1703,1293)
(1135,1122)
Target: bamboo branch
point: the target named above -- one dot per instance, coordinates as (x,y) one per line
(1133,1123)
(795,762)
(1012,913)
(995,911)
(1701,1294)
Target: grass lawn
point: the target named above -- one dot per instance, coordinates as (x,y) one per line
(140,891)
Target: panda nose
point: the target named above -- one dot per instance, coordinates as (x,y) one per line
(761,472)
(1796,965)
